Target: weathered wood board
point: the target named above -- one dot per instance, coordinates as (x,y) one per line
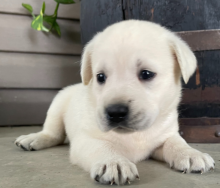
(21,70)
(24,107)
(17,35)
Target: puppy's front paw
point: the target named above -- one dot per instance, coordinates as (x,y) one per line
(114,171)
(36,141)
(191,160)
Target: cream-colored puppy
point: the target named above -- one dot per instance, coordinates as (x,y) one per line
(126,108)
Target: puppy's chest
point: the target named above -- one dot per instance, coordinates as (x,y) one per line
(142,144)
(137,145)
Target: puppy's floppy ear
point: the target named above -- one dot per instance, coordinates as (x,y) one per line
(185,57)
(86,64)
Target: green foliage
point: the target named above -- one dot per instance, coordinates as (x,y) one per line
(51,20)
(57,28)
(65,1)
(43,8)
(29,8)
(38,21)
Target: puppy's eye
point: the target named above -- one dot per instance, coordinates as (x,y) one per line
(101,78)
(146,75)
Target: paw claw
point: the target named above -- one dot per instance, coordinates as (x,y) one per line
(172,165)
(184,171)
(202,171)
(128,181)
(32,149)
(23,148)
(17,144)
(137,177)
(112,182)
(97,178)
(211,169)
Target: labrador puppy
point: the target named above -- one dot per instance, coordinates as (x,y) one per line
(125,110)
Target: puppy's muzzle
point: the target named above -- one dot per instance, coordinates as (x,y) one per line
(117,113)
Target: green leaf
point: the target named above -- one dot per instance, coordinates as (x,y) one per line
(37,23)
(57,28)
(49,19)
(43,7)
(65,1)
(28,7)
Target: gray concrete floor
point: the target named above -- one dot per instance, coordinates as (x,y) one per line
(51,168)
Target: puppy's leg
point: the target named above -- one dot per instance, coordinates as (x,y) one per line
(105,163)
(53,129)
(179,155)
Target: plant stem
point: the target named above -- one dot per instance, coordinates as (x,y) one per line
(55,12)
(55,16)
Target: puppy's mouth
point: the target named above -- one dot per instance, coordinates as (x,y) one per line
(122,129)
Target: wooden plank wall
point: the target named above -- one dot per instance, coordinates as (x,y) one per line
(35,65)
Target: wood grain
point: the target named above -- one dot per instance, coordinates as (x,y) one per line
(20,70)
(202,40)
(204,121)
(198,95)
(200,130)
(15,7)
(17,35)
(200,134)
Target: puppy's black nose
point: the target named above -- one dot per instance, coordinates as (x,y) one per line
(117,113)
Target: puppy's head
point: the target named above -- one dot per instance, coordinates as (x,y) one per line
(133,69)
